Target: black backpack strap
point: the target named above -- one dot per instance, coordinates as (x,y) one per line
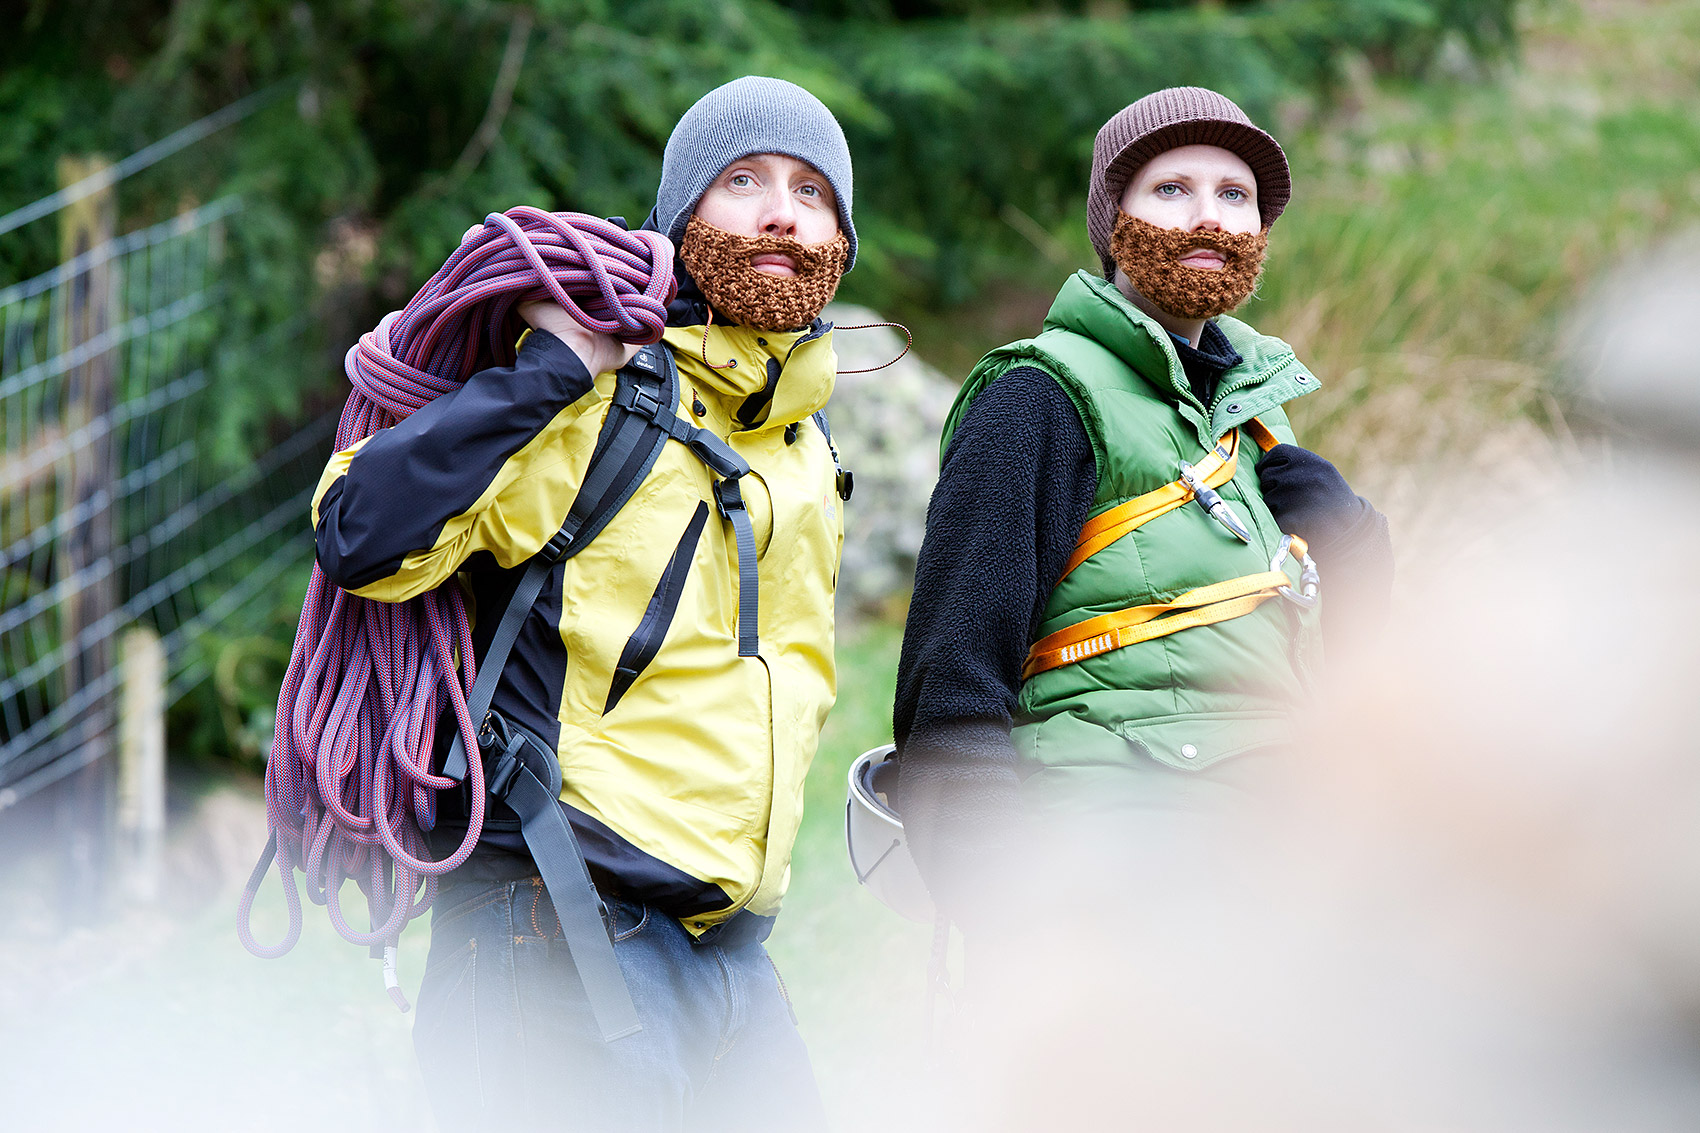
(728,499)
(626,449)
(525,774)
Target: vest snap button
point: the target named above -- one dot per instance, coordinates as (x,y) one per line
(1188,752)
(1302,378)
(1234,408)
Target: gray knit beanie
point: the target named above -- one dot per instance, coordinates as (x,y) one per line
(1166,120)
(750,115)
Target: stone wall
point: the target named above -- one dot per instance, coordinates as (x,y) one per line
(886,425)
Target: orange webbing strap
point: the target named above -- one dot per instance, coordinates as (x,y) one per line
(1105,528)
(1203,606)
(1215,470)
(1260,433)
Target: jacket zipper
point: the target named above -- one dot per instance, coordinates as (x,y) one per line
(645,642)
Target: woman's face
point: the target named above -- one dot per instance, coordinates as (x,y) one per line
(770,194)
(1192,188)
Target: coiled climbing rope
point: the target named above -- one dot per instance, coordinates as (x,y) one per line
(349,787)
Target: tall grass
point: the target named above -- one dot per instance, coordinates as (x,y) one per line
(1441,237)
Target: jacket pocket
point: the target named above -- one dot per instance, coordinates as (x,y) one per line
(645,641)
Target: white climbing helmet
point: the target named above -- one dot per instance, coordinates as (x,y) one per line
(874,834)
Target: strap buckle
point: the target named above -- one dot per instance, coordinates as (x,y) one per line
(504,747)
(499,746)
(556,547)
(1310,582)
(727,497)
(638,400)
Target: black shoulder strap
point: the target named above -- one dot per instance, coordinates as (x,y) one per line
(626,449)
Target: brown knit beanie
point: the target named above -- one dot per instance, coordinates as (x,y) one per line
(1165,120)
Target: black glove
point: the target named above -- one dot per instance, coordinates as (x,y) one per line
(1309,498)
(1349,538)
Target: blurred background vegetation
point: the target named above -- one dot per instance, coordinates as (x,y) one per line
(1464,170)
(399,122)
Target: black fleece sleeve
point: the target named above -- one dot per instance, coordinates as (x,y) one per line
(406,482)
(1014,489)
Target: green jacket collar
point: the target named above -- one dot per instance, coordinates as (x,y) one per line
(1268,375)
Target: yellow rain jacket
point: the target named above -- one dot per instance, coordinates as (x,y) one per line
(682,762)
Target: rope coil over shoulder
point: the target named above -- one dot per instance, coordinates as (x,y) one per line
(1204,605)
(349,789)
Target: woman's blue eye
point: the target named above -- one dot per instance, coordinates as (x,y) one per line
(1234,194)
(1169,189)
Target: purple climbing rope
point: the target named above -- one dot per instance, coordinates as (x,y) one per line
(349,788)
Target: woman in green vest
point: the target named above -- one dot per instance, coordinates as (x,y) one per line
(1111,619)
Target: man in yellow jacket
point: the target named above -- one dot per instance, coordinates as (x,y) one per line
(680,665)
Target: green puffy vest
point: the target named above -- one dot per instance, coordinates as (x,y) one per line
(1110,726)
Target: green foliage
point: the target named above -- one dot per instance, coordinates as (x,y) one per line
(987,125)
(961,115)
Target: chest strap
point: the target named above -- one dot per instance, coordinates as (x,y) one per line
(1204,605)
(1217,468)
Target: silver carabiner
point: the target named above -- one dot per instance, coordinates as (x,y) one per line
(1213,503)
(1310,582)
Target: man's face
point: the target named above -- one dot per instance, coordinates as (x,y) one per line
(770,194)
(1195,188)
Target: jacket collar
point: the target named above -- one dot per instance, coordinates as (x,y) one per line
(1268,373)
(780,377)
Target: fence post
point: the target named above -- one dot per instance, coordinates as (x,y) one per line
(85,490)
(141,759)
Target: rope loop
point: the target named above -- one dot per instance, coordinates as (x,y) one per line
(350,792)
(907,346)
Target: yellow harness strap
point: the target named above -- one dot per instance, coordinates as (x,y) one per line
(1260,433)
(1215,469)
(1202,606)
(1106,527)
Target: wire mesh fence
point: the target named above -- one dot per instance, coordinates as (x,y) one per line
(109,516)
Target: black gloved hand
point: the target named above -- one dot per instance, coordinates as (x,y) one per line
(1309,498)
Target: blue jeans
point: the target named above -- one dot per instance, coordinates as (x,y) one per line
(506,1039)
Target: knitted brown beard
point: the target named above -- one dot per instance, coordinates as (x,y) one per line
(720,263)
(1148,255)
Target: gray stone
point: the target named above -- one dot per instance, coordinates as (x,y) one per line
(886,425)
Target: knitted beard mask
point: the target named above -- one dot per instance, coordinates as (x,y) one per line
(720,263)
(1148,255)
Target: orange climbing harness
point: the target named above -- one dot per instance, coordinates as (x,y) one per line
(1202,606)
